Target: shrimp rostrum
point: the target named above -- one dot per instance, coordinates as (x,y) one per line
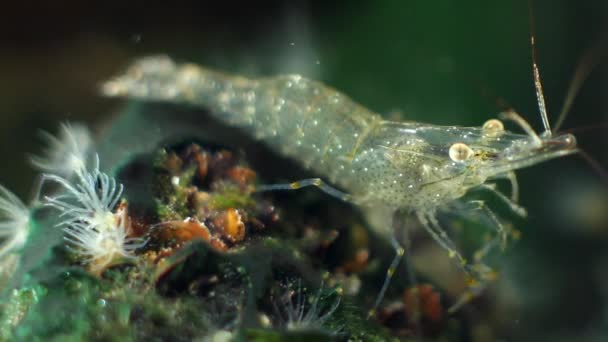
(409,167)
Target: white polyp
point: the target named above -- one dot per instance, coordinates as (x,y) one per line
(91,227)
(66,153)
(14,222)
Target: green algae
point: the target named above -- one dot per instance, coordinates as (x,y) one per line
(231,197)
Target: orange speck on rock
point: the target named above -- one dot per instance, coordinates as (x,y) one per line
(427,304)
(218,244)
(358,263)
(134,227)
(241,175)
(173,163)
(230,225)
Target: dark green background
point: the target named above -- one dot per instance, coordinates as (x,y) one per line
(442,62)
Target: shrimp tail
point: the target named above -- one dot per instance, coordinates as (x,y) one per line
(158,78)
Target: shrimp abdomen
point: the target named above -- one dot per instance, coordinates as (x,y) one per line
(298,117)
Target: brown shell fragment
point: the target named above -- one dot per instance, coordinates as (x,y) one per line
(184,231)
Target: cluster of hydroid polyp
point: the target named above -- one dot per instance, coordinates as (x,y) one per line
(96,227)
(92,227)
(295,310)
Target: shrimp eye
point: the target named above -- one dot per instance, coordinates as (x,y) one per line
(493,127)
(460,152)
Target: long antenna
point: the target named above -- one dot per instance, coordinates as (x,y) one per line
(537,83)
(590,60)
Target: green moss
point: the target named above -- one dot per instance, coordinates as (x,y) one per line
(231,197)
(78,307)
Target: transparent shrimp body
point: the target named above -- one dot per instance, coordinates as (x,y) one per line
(401,164)
(406,166)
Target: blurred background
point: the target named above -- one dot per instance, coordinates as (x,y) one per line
(442,62)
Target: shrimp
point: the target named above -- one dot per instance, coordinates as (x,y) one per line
(410,167)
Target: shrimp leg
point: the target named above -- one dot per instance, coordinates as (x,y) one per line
(478,274)
(502,233)
(512,178)
(401,243)
(430,223)
(390,272)
(516,208)
(475,287)
(318,182)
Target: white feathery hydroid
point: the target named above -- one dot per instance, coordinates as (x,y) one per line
(91,226)
(14,222)
(102,245)
(66,152)
(88,200)
(306,313)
